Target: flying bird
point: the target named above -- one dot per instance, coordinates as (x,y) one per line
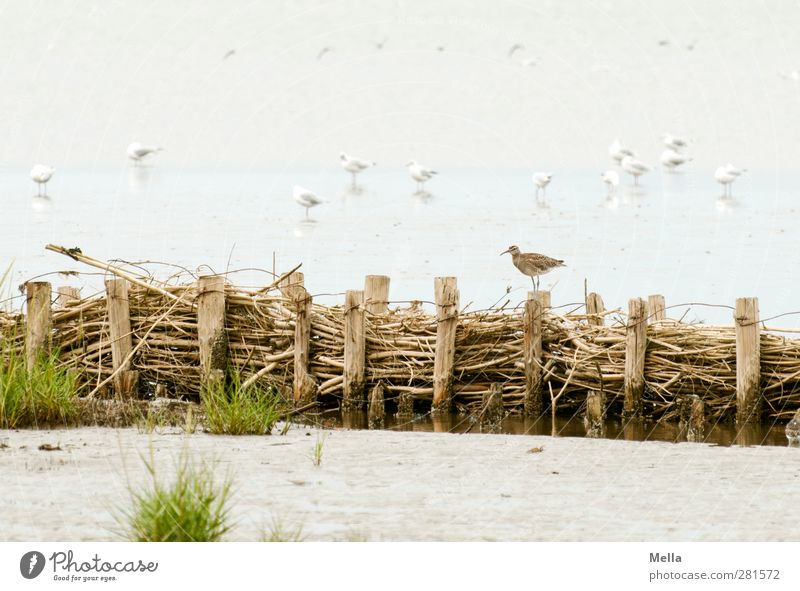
(379,44)
(137,151)
(41,174)
(532,264)
(419,173)
(229,53)
(323,51)
(354,165)
(306,198)
(515,47)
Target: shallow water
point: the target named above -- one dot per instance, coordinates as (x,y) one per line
(674,235)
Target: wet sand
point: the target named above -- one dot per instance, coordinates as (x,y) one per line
(383,485)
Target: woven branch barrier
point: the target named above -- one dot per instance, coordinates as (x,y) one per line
(579,352)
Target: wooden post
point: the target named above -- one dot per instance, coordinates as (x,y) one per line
(636,345)
(447,316)
(305,386)
(656,307)
(692,418)
(211,335)
(354,351)
(594,307)
(748,361)
(119,325)
(293,285)
(39,323)
(376,294)
(492,411)
(544,299)
(594,419)
(67,294)
(405,405)
(377,411)
(532,354)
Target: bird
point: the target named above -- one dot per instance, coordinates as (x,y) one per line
(354,165)
(611,179)
(229,53)
(419,173)
(618,151)
(379,44)
(41,173)
(726,175)
(671,158)
(515,47)
(675,142)
(634,167)
(137,151)
(793,429)
(306,198)
(323,51)
(532,264)
(541,180)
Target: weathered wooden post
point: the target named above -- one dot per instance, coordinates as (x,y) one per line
(656,307)
(446,292)
(119,325)
(635,347)
(377,410)
(405,405)
(544,299)
(39,322)
(594,309)
(376,294)
(211,335)
(305,386)
(692,418)
(748,361)
(292,285)
(67,294)
(594,419)
(492,410)
(354,351)
(532,354)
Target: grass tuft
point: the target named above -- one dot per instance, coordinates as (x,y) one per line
(233,409)
(278,532)
(192,508)
(45,395)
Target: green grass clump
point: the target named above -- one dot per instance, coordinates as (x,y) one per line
(278,532)
(233,409)
(192,508)
(45,395)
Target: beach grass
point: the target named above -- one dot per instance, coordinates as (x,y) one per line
(235,408)
(191,508)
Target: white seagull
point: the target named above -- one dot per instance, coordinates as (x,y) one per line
(419,173)
(306,198)
(726,175)
(41,173)
(354,165)
(671,159)
(674,142)
(137,151)
(634,167)
(541,180)
(618,151)
(611,179)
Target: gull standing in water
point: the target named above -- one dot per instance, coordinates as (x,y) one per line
(674,142)
(40,174)
(541,180)
(137,151)
(532,264)
(671,159)
(617,151)
(306,198)
(726,175)
(611,179)
(634,167)
(354,165)
(419,173)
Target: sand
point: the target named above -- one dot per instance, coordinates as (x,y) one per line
(384,485)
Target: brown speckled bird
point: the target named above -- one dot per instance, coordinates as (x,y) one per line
(793,429)
(532,264)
